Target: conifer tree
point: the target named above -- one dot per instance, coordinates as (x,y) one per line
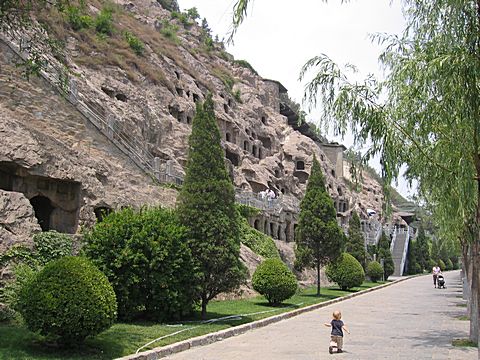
(356,241)
(318,232)
(423,250)
(385,254)
(206,206)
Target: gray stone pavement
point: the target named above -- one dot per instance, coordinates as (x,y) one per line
(409,320)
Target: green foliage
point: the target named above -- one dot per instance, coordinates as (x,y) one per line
(318,229)
(413,265)
(422,249)
(26,263)
(355,242)
(206,207)
(19,17)
(171,5)
(183,18)
(145,256)
(210,45)
(51,245)
(104,22)
(442,265)
(169,31)
(247,211)
(449,265)
(69,300)
(206,29)
(346,271)
(385,254)
(374,271)
(225,77)
(274,280)
(10,291)
(245,64)
(257,241)
(238,95)
(193,14)
(135,43)
(18,254)
(303,258)
(77,19)
(124,339)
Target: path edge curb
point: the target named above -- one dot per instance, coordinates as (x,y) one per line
(160,352)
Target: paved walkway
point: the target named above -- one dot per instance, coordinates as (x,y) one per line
(410,320)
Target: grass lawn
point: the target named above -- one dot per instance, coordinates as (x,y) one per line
(16,342)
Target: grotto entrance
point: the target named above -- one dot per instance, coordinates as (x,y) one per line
(56,202)
(43,210)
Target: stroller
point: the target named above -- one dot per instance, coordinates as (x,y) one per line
(441,282)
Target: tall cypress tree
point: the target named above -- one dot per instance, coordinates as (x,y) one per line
(385,254)
(206,206)
(318,232)
(356,241)
(423,253)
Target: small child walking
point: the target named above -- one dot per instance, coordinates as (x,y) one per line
(336,340)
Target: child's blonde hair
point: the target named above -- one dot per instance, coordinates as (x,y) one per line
(337,315)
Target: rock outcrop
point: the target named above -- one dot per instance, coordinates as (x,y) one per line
(69,171)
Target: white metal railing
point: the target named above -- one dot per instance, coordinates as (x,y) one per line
(405,250)
(108,124)
(394,237)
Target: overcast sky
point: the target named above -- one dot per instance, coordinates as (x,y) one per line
(279,36)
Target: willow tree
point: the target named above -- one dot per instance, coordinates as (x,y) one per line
(319,235)
(206,207)
(425,114)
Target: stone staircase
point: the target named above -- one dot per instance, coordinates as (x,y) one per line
(399,251)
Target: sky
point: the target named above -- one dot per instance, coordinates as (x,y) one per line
(278,37)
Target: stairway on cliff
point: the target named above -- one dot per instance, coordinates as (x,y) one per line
(398,249)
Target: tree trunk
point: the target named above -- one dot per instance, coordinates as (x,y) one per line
(474,249)
(466,271)
(204,308)
(318,277)
(473,303)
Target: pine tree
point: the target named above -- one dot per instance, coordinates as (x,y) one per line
(206,206)
(385,254)
(356,241)
(318,235)
(423,251)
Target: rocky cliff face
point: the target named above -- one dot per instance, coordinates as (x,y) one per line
(70,171)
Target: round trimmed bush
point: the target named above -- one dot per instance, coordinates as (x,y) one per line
(374,271)
(346,271)
(274,280)
(69,300)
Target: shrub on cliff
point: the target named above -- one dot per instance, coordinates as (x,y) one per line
(274,280)
(69,300)
(257,241)
(145,256)
(346,271)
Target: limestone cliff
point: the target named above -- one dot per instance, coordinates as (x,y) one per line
(126,118)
